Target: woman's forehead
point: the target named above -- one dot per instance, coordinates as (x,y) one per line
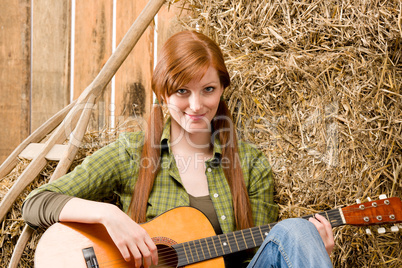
(210,76)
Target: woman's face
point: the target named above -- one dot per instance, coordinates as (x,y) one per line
(193,106)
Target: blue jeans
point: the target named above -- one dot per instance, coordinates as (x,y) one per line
(293,243)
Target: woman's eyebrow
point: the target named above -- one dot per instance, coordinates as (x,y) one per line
(210,83)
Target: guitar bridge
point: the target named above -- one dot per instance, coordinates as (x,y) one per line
(90,257)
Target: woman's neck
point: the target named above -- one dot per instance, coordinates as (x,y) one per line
(184,142)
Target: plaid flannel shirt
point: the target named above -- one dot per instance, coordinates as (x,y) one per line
(114,168)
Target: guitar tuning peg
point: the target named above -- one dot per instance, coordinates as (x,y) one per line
(369,199)
(381,230)
(358,201)
(368,231)
(383,196)
(394,229)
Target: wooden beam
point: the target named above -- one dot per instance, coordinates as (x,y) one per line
(92,48)
(133,93)
(15,81)
(50,59)
(68,155)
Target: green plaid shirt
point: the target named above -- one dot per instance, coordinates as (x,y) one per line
(114,170)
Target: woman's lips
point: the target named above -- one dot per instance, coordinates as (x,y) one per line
(195,117)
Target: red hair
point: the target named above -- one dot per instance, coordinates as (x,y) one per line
(185,56)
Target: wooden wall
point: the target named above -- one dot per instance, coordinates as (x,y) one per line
(43,65)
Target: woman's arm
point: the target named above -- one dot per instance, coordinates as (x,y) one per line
(129,237)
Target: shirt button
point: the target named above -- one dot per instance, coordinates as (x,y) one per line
(209,169)
(223,217)
(216,195)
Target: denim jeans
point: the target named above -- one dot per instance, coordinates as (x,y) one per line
(293,243)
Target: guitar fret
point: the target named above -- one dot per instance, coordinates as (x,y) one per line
(185,253)
(219,246)
(240,240)
(237,244)
(213,242)
(209,251)
(203,254)
(191,252)
(227,239)
(222,244)
(205,249)
(265,230)
(244,239)
(252,236)
(262,236)
(196,251)
(257,236)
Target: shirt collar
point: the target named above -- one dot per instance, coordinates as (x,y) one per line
(165,138)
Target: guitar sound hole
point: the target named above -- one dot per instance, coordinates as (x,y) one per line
(167,257)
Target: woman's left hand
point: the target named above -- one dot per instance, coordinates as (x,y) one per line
(325,229)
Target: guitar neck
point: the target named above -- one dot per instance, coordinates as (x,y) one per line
(224,244)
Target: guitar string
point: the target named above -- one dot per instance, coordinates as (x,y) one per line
(333,215)
(249,240)
(329,213)
(247,236)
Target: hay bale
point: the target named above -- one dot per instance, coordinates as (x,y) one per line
(317,85)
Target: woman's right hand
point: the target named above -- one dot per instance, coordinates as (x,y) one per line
(129,237)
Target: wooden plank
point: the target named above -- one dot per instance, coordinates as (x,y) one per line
(34,149)
(93,47)
(15,49)
(133,93)
(50,59)
(168,23)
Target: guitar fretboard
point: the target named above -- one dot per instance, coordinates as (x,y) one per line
(224,244)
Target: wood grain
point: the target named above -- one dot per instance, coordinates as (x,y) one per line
(15,46)
(133,80)
(50,59)
(92,48)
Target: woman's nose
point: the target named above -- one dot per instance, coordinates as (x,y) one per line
(195,102)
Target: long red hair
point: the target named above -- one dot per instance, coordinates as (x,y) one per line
(185,56)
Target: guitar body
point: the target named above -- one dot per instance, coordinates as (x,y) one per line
(62,244)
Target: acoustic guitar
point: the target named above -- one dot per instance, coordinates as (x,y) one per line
(184,238)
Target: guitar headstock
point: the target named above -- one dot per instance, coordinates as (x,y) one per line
(384,211)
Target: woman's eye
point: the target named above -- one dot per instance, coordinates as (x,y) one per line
(209,89)
(182,91)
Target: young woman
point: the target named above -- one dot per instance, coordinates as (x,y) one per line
(192,159)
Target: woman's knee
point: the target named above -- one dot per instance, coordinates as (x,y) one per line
(295,228)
